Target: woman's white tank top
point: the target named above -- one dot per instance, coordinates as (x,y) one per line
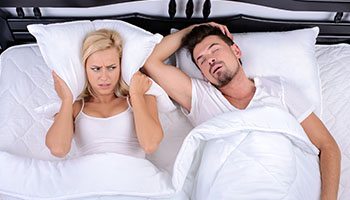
(112,134)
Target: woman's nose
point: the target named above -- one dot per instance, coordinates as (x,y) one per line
(104,74)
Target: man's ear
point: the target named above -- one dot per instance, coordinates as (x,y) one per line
(236,50)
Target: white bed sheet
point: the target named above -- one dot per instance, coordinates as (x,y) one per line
(259,154)
(333,60)
(334,65)
(33,79)
(22,130)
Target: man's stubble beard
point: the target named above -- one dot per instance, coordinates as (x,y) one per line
(225,77)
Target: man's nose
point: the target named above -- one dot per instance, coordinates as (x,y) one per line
(212,61)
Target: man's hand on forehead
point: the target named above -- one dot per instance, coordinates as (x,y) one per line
(223,28)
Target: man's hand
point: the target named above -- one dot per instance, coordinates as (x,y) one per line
(223,28)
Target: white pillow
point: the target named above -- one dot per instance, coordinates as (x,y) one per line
(289,54)
(60,45)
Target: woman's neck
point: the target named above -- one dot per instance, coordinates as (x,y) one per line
(103,98)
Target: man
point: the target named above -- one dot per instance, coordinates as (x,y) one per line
(229,89)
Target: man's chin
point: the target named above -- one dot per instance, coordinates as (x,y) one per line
(219,85)
(223,83)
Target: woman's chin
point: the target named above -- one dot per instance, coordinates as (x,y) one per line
(105,92)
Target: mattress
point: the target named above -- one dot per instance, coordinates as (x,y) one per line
(22,129)
(334,62)
(32,78)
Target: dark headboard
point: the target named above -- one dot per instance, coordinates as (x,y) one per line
(296,5)
(14,31)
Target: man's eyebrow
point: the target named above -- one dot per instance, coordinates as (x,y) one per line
(210,46)
(213,45)
(199,57)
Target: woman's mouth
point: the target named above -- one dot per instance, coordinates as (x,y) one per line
(104,85)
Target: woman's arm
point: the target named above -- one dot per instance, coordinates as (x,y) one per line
(329,155)
(148,128)
(59,136)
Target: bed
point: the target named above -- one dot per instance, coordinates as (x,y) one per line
(185,153)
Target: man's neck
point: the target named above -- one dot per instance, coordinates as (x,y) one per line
(239,91)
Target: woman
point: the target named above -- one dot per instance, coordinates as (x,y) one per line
(109,117)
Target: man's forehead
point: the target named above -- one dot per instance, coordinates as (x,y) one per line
(211,39)
(207,43)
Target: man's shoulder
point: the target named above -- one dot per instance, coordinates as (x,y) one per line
(276,79)
(201,83)
(202,86)
(269,80)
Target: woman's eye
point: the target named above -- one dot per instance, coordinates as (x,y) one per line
(111,68)
(95,69)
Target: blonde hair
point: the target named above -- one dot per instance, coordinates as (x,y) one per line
(97,41)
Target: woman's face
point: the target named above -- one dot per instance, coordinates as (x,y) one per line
(103,71)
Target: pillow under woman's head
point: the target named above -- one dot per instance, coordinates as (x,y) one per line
(289,54)
(61,47)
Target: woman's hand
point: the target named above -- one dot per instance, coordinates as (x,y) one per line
(139,84)
(62,89)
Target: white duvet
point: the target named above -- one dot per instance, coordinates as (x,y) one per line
(260,153)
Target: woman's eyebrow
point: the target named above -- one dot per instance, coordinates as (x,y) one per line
(112,65)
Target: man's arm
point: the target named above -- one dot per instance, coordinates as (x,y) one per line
(329,155)
(175,82)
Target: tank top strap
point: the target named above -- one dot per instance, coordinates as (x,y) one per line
(83,104)
(81,109)
(129,101)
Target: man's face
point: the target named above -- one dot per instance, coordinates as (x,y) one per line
(218,62)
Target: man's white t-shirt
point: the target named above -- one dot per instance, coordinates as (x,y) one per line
(208,102)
